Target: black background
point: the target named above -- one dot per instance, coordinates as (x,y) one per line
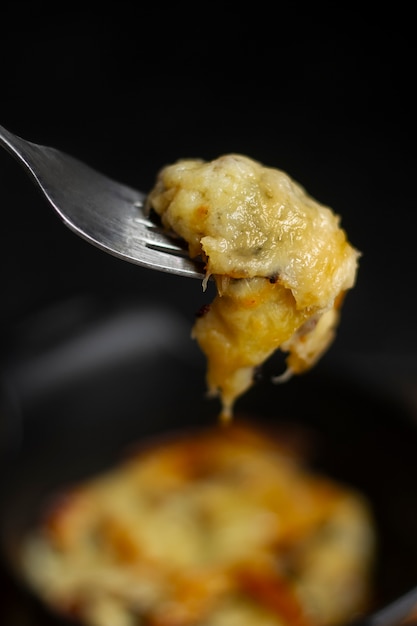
(328,97)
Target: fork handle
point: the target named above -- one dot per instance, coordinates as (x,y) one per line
(21,149)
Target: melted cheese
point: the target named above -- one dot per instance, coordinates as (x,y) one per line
(218,527)
(280,260)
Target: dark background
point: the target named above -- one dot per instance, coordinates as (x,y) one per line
(327,97)
(128,87)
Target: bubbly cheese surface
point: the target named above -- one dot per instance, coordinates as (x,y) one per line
(222,527)
(280,261)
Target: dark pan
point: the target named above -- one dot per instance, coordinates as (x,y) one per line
(84,381)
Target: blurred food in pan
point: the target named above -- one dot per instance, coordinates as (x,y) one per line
(221,526)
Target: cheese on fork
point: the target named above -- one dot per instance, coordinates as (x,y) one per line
(280,261)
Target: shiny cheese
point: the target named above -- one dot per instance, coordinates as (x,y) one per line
(280,261)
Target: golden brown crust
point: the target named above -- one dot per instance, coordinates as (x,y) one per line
(221,524)
(280,261)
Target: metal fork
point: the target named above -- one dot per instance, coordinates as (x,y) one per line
(106,213)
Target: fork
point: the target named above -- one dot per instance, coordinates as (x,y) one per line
(106,213)
(112,217)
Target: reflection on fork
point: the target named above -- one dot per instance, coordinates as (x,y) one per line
(105,213)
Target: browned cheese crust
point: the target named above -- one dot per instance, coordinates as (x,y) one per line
(280,260)
(224,527)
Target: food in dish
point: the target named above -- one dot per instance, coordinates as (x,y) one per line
(280,261)
(219,527)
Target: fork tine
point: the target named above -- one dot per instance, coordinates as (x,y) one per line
(158,242)
(156,238)
(107,214)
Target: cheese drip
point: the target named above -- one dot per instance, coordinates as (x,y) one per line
(280,261)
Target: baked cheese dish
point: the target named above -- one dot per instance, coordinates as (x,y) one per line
(219,527)
(280,261)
